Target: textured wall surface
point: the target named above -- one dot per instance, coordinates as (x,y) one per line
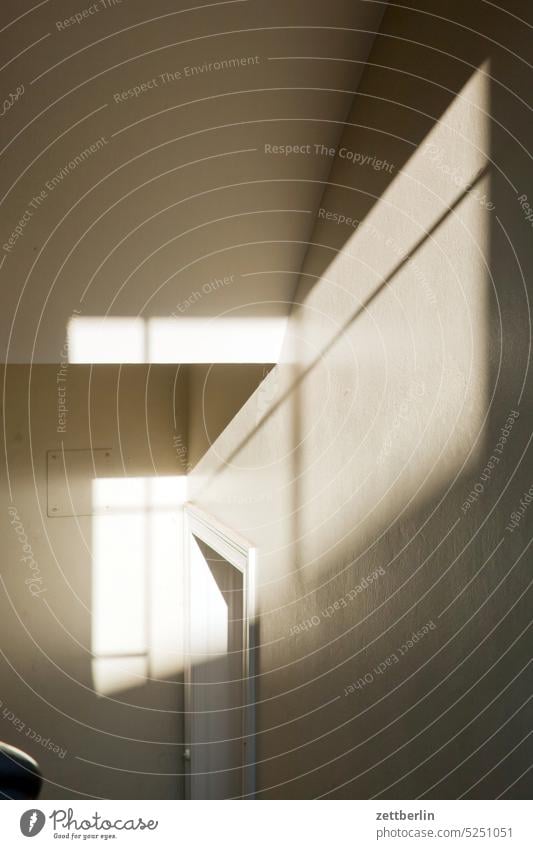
(380,482)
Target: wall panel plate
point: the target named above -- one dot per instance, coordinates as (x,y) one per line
(70,477)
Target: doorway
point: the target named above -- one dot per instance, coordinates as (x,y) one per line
(219,754)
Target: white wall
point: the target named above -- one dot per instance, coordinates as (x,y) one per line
(407,355)
(174,189)
(92,610)
(116,722)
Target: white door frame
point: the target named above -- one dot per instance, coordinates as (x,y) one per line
(242,556)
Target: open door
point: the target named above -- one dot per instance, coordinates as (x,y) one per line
(219,694)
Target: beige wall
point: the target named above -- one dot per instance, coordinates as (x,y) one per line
(215,394)
(56,689)
(406,357)
(178,190)
(131,734)
(355,457)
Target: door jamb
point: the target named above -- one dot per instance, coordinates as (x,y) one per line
(242,556)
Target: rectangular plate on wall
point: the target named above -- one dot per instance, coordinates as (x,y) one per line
(70,477)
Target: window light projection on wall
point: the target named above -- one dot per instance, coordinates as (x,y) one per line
(228,339)
(422,285)
(135,586)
